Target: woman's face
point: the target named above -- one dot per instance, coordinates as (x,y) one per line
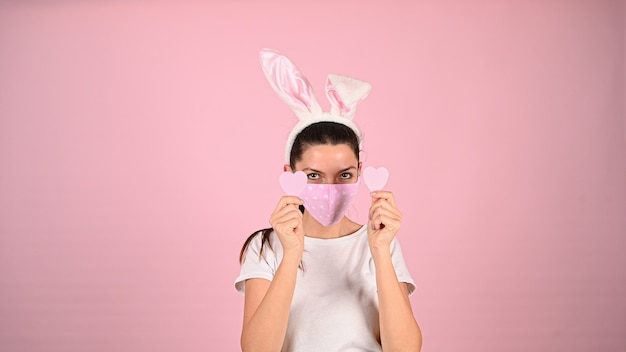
(325,163)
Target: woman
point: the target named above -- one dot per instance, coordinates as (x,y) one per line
(316,280)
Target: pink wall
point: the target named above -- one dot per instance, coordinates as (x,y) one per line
(140,145)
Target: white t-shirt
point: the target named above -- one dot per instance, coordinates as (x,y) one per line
(335,304)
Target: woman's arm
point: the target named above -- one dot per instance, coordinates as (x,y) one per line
(266,308)
(398,329)
(267,304)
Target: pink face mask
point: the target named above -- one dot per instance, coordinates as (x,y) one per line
(328,203)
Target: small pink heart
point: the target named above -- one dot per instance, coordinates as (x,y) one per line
(375,179)
(293,183)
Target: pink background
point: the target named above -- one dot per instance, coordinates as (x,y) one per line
(140,144)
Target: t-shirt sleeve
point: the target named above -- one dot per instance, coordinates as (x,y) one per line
(402,272)
(256,266)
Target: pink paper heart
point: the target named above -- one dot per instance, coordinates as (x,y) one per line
(375,179)
(293,183)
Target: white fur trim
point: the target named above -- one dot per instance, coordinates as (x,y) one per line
(324,117)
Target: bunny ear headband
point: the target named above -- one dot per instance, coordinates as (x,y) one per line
(343,92)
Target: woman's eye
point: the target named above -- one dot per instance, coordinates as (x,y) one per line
(313,176)
(346,175)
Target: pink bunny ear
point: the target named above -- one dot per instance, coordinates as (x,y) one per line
(344,93)
(289,83)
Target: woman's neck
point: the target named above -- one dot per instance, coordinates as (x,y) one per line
(312,227)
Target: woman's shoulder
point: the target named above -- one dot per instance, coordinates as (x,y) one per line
(264,236)
(260,241)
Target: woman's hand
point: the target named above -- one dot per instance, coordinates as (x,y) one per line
(287,222)
(384,220)
(398,329)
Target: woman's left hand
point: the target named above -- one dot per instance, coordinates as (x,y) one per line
(384,220)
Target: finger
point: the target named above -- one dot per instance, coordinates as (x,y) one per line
(289,211)
(385,222)
(387,212)
(386,195)
(383,195)
(288,222)
(375,223)
(383,204)
(387,219)
(286,215)
(288,225)
(286,209)
(391,214)
(372,225)
(286,200)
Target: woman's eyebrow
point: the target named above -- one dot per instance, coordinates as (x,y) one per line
(320,172)
(310,169)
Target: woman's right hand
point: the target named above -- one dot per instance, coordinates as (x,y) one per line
(287,223)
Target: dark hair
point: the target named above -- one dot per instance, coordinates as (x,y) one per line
(319,133)
(331,133)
